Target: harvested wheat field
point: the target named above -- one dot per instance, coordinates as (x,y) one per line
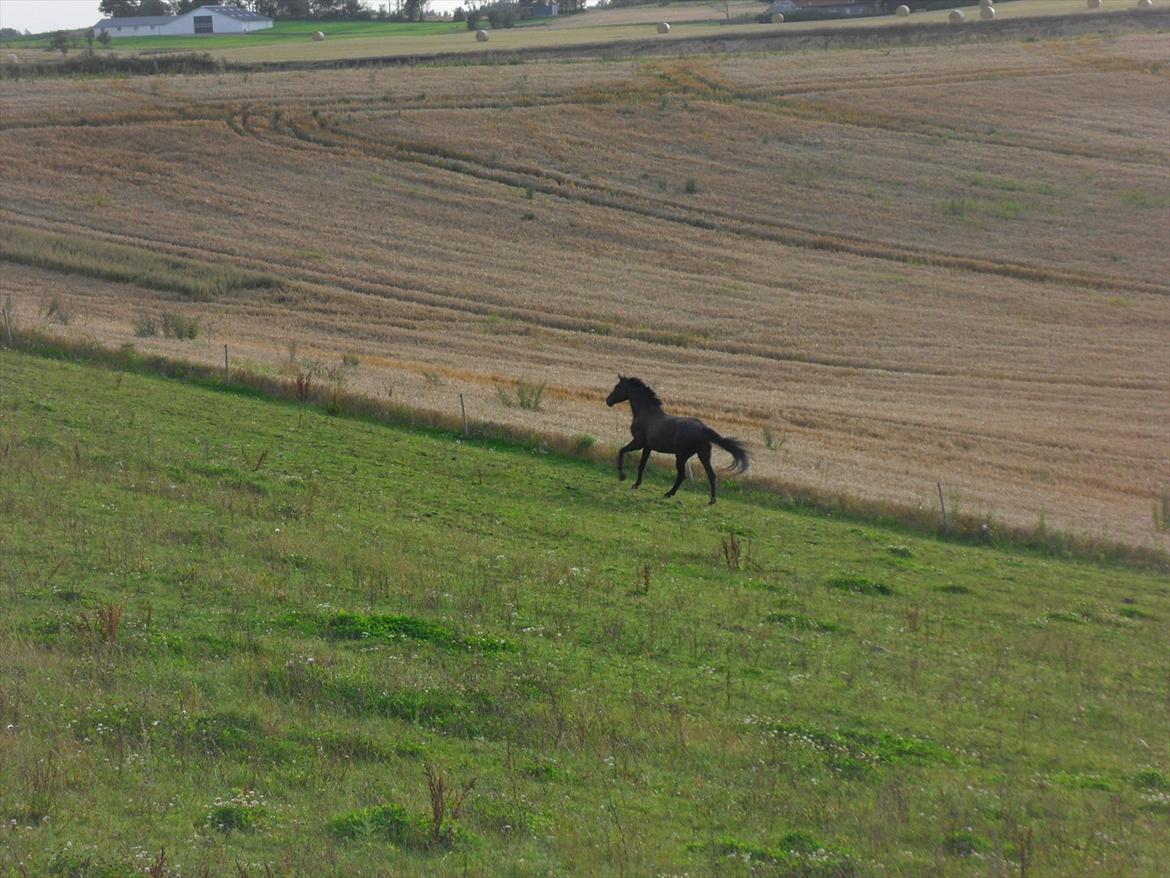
(885,269)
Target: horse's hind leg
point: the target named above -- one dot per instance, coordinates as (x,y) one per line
(705,459)
(681,463)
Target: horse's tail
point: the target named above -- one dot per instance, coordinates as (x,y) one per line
(734,447)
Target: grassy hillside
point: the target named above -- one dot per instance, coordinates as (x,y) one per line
(242,632)
(283,31)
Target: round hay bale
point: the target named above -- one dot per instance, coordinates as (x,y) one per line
(481,36)
(987,12)
(318,37)
(902,11)
(1145,4)
(957,16)
(663,27)
(12,59)
(1094,4)
(778,18)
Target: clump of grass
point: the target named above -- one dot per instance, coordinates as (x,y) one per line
(145,325)
(1140,200)
(58,311)
(359,626)
(736,552)
(582,443)
(350,360)
(795,853)
(860,585)
(242,812)
(803,623)
(468,715)
(856,753)
(1151,779)
(1083,781)
(176,325)
(390,822)
(690,187)
(770,440)
(1162,511)
(900,551)
(952,588)
(955,206)
(527,395)
(103,625)
(965,843)
(1133,613)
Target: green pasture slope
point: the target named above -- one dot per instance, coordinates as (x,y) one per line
(240,632)
(283,31)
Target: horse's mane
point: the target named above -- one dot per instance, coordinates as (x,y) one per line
(646,389)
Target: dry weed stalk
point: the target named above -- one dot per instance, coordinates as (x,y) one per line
(104,625)
(446,803)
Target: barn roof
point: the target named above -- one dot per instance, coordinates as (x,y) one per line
(136,20)
(235,12)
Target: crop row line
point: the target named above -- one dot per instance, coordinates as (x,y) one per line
(446,304)
(573,188)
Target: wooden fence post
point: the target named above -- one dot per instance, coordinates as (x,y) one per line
(463,410)
(8,321)
(942,504)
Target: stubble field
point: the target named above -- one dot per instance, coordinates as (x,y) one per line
(884,268)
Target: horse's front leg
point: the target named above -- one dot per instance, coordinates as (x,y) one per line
(633,445)
(642,465)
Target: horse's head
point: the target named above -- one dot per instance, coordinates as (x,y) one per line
(620,392)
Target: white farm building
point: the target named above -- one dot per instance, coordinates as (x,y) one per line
(204,20)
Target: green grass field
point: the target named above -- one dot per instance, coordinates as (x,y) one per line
(282,32)
(241,632)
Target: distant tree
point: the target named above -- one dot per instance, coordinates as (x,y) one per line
(89,38)
(153,7)
(60,41)
(182,7)
(9,33)
(278,8)
(459,14)
(118,8)
(104,38)
(415,10)
(295,8)
(354,10)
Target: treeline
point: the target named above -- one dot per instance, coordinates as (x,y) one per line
(351,9)
(503,11)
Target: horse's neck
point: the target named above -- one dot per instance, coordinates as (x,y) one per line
(643,407)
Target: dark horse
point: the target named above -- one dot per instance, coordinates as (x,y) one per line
(655,430)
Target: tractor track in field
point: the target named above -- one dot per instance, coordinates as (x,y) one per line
(444,303)
(573,188)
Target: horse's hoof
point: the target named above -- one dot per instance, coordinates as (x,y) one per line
(711,502)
